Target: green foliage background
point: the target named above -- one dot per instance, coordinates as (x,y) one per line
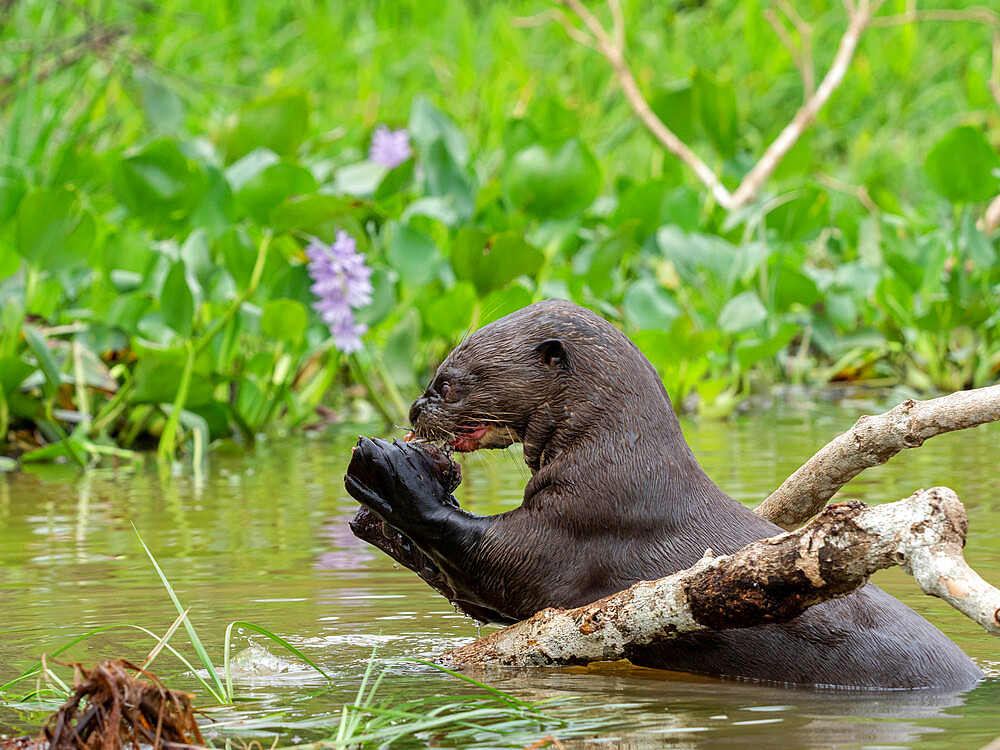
(162,166)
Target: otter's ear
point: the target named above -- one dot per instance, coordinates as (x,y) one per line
(553,353)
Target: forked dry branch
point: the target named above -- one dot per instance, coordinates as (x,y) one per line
(591,33)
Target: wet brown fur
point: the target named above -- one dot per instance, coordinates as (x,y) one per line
(617,496)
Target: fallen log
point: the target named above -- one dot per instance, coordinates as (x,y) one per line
(768,581)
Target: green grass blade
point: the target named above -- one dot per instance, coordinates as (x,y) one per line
(495,692)
(192,634)
(35,669)
(277,639)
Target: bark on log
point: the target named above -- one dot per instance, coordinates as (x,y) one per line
(873,441)
(772,580)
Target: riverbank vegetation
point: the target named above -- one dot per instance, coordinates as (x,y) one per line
(118,703)
(216,219)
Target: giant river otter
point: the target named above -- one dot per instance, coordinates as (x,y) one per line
(616,496)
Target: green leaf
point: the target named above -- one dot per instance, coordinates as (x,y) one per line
(648,306)
(804,215)
(742,312)
(518,133)
(163,108)
(39,346)
(496,305)
(361,179)
(176,300)
(961,166)
(54,232)
(551,181)
(10,261)
(159,181)
(792,287)
(157,381)
(127,310)
(238,254)
(975,243)
(445,178)
(598,263)
(383,297)
(716,106)
(451,313)
(653,204)
(429,125)
(751,351)
(278,122)
(674,105)
(13,186)
(412,254)
(395,181)
(13,371)
(400,352)
(315,214)
(493,262)
(284,320)
(266,190)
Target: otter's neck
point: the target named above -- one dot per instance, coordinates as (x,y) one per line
(633,457)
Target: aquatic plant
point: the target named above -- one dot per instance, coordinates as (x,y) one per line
(374,718)
(390,148)
(155,264)
(343,284)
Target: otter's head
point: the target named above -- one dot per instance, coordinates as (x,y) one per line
(539,376)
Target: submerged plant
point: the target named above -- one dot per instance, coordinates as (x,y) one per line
(342,285)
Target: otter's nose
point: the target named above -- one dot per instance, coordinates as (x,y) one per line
(418,405)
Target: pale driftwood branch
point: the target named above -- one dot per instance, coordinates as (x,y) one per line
(764,168)
(667,138)
(612,47)
(860,15)
(873,441)
(991,219)
(773,580)
(801,53)
(554,14)
(858,191)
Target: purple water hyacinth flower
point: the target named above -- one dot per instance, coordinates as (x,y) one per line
(390,148)
(342,284)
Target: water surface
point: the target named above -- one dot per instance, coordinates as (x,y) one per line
(264,537)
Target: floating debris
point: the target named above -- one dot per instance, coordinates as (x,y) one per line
(112,708)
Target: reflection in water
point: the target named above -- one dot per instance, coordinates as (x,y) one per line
(264,538)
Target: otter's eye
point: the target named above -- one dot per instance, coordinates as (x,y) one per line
(445,390)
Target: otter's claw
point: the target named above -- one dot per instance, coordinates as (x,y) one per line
(404,483)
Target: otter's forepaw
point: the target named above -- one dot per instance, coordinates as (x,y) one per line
(404,483)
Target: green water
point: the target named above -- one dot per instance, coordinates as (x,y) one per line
(264,537)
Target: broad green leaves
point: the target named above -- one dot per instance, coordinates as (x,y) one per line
(742,312)
(177,301)
(648,306)
(54,231)
(551,180)
(492,262)
(962,166)
(412,253)
(284,320)
(444,154)
(716,106)
(159,182)
(278,122)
